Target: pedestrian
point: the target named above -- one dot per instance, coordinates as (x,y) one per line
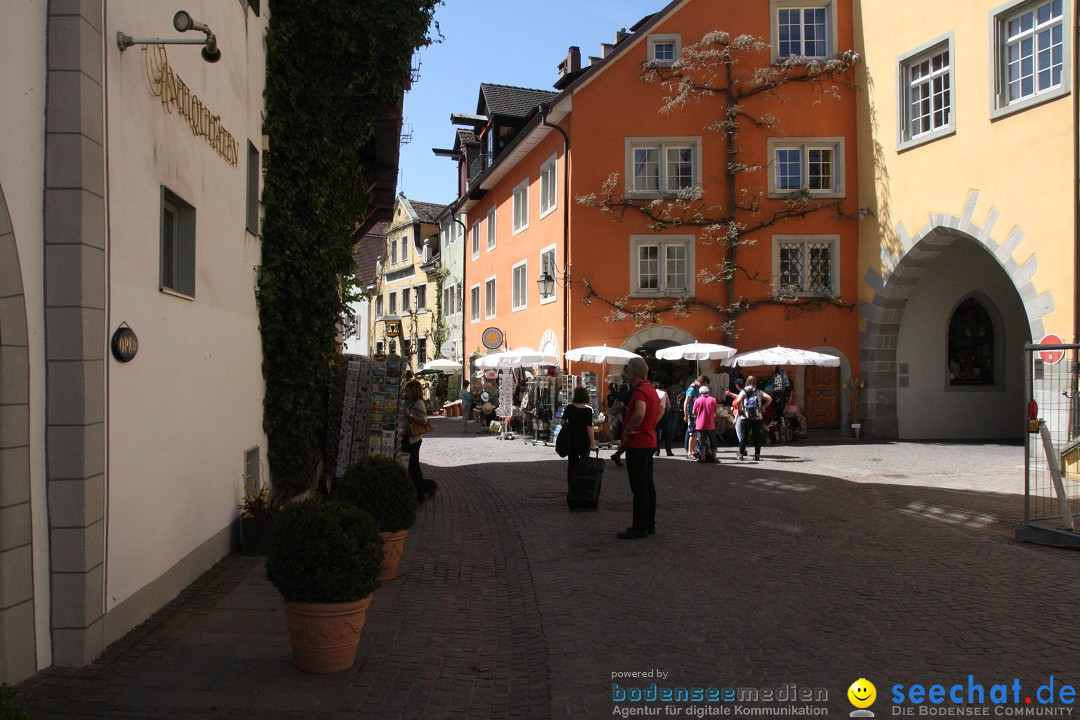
(621,394)
(578,424)
(639,437)
(663,425)
(705,417)
(752,403)
(415,411)
(690,441)
(466,404)
(736,410)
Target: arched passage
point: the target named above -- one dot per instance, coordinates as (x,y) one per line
(911,392)
(17,642)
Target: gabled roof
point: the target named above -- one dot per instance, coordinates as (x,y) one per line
(366,251)
(428,212)
(510,101)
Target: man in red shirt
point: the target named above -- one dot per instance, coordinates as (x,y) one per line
(639,438)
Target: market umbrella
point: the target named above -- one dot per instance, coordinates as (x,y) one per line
(600,354)
(496,360)
(783,356)
(696,351)
(442,365)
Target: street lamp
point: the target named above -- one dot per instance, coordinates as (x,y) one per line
(549,279)
(183,22)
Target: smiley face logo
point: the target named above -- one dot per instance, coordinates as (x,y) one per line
(862,693)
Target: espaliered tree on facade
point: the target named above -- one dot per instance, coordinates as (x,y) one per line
(724,70)
(332,67)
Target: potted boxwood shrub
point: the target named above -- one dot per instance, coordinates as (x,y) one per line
(382,487)
(324,558)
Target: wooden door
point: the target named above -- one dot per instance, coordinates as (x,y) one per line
(822,397)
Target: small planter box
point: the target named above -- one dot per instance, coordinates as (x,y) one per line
(255,535)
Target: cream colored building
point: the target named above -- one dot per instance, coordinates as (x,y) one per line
(967,145)
(129,191)
(406,288)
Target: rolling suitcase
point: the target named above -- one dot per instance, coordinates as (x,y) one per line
(585,481)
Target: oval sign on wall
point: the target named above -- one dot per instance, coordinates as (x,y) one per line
(493,338)
(1051,357)
(125,344)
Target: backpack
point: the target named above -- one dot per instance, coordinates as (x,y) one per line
(752,405)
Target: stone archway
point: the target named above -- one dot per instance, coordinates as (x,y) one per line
(18,658)
(895,287)
(676,335)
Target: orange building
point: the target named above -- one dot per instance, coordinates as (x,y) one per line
(641,283)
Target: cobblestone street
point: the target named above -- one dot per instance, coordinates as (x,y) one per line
(824,563)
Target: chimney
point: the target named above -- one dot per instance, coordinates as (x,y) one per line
(593,60)
(621,35)
(605,49)
(571,63)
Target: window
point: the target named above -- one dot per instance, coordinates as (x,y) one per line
(547,264)
(252,214)
(521,206)
(662,265)
(548,186)
(926,107)
(421,297)
(971,345)
(474,303)
(393,303)
(378,305)
(475,234)
(380,347)
(520,286)
(404,248)
(491,229)
(812,165)
(804,265)
(406,349)
(393,347)
(393,251)
(657,166)
(664,50)
(177,245)
(406,301)
(489,298)
(452,299)
(1031,44)
(803,29)
(421,351)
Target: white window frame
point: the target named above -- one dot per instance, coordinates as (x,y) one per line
(491,309)
(393,251)
(492,233)
(177,249)
(662,242)
(474,234)
(673,39)
(421,298)
(392,299)
(551,269)
(406,301)
(904,137)
(999,19)
(549,185)
(775,6)
(805,145)
(474,303)
(834,269)
(379,305)
(663,145)
(521,206)
(405,242)
(519,270)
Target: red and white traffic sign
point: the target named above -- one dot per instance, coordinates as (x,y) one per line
(1051,357)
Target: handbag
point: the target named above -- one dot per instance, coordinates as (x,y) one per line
(416,429)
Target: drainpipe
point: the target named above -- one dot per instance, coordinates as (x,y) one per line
(544,109)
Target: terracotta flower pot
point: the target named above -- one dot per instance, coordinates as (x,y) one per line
(325,636)
(393,544)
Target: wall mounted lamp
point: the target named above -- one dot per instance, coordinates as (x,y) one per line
(547,282)
(183,22)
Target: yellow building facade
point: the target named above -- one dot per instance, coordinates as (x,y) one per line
(967,144)
(404,311)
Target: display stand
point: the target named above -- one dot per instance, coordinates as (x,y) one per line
(365,404)
(543,395)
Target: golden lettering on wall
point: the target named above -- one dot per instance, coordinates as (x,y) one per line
(177,96)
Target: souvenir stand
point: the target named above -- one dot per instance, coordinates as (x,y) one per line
(543,396)
(365,404)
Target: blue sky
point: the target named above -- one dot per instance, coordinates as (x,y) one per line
(507,42)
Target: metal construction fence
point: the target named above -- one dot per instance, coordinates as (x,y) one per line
(1052,454)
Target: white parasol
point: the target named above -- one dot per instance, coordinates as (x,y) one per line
(521,357)
(443,365)
(696,351)
(600,354)
(783,356)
